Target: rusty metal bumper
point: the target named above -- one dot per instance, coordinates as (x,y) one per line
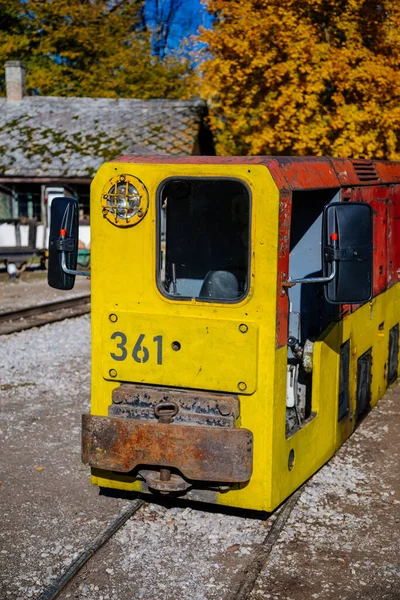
(200,453)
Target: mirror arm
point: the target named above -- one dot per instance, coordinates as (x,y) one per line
(71,271)
(332,276)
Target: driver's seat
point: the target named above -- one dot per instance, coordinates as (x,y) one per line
(221,285)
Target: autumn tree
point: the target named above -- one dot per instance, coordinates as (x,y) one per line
(95,48)
(309,77)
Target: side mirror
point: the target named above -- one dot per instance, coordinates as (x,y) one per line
(347,245)
(63,243)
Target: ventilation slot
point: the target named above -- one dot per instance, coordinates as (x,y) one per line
(365,171)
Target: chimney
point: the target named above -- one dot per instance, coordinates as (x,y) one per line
(15,80)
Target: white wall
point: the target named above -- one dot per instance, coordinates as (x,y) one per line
(7,235)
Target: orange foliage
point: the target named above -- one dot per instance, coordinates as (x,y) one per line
(309,77)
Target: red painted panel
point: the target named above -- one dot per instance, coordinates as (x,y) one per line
(350,171)
(308,173)
(282,300)
(393,237)
(277,174)
(345,172)
(379,207)
(300,172)
(377,197)
(388,171)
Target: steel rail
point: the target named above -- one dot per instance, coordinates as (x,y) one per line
(36,316)
(59,584)
(248,578)
(240,590)
(21,313)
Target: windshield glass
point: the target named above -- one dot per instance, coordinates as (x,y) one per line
(204,239)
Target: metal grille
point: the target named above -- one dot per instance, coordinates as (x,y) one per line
(125,201)
(365,171)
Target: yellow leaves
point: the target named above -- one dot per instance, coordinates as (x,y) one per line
(311,77)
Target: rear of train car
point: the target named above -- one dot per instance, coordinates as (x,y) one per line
(214,376)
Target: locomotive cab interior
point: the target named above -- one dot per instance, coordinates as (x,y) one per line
(204,239)
(322,227)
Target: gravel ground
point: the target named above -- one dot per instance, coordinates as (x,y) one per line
(342,539)
(170,552)
(32,289)
(49,510)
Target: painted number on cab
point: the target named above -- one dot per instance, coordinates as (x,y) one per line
(140,353)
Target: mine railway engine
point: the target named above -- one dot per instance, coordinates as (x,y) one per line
(245,317)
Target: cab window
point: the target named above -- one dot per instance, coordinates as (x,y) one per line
(204,239)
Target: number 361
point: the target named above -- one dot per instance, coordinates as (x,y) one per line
(140,353)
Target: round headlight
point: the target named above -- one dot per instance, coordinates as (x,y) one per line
(124,201)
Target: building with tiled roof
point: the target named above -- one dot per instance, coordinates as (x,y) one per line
(61,142)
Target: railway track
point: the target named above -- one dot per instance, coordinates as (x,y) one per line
(170,546)
(35,316)
(54,589)
(241,585)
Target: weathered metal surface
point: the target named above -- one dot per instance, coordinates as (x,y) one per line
(197,408)
(166,411)
(363,181)
(377,196)
(299,172)
(345,171)
(285,214)
(360,172)
(190,160)
(393,237)
(308,356)
(172,483)
(199,453)
(303,173)
(388,171)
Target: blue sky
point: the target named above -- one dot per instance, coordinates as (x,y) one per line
(190,16)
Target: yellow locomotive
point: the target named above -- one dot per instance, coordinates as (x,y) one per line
(245,316)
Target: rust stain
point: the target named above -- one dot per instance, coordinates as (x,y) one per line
(308,173)
(200,453)
(285,214)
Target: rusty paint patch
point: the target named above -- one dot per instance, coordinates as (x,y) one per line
(377,197)
(308,173)
(134,401)
(285,214)
(200,453)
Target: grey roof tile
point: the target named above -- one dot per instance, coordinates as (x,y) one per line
(53,137)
